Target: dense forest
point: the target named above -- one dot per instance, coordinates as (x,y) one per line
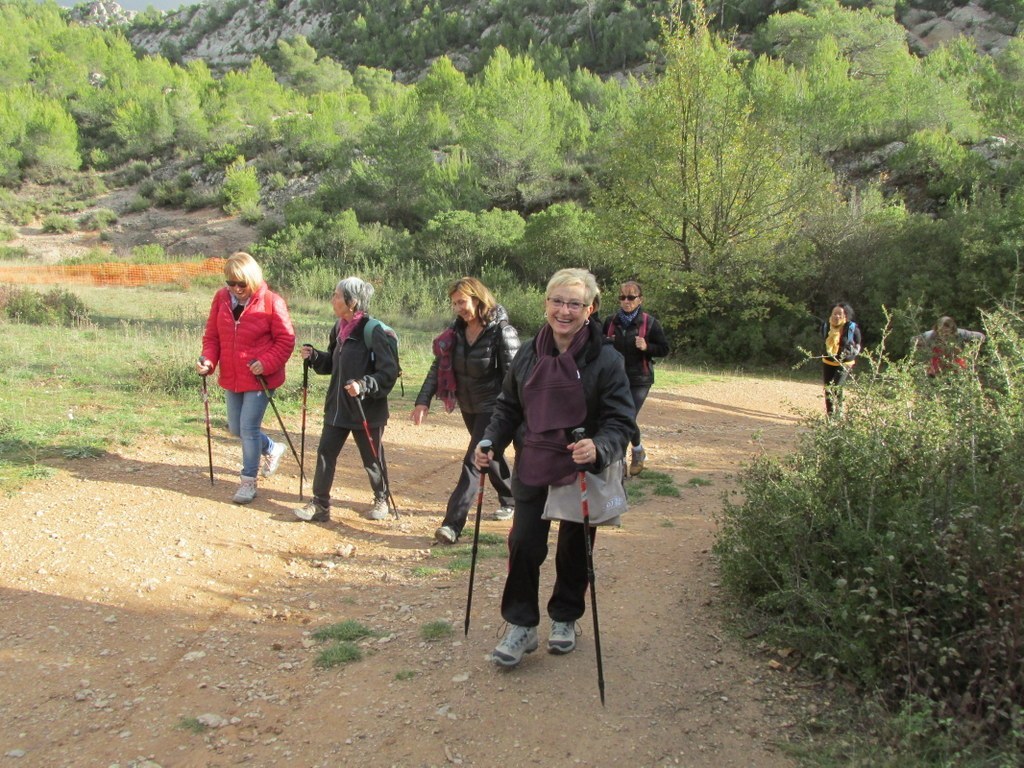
(748,186)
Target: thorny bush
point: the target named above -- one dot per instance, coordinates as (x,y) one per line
(889,546)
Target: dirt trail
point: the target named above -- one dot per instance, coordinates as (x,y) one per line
(136,596)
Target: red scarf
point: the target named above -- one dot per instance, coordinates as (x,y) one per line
(444,346)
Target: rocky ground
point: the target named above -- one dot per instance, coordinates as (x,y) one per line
(148,621)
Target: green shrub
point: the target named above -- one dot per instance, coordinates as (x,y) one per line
(241,190)
(55,307)
(101,218)
(889,547)
(11,253)
(56,223)
(7,233)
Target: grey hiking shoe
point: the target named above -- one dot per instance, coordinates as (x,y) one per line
(313,513)
(246,490)
(446,535)
(563,637)
(379,510)
(272,460)
(518,640)
(504,513)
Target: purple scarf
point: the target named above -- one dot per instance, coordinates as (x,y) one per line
(444,346)
(553,404)
(345,327)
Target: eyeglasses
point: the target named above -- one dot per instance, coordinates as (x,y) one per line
(235,283)
(627,297)
(572,306)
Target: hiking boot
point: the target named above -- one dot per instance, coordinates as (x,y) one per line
(246,490)
(446,535)
(313,513)
(563,637)
(379,510)
(518,640)
(504,513)
(636,462)
(272,460)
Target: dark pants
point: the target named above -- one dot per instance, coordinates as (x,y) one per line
(834,377)
(462,497)
(332,439)
(528,548)
(639,395)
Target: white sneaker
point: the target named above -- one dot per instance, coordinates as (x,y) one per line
(272,460)
(446,535)
(379,510)
(563,637)
(246,490)
(518,640)
(504,513)
(312,513)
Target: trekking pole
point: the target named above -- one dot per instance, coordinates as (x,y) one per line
(209,437)
(577,435)
(302,440)
(376,458)
(266,391)
(485,447)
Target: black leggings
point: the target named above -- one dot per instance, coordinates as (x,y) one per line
(834,377)
(332,439)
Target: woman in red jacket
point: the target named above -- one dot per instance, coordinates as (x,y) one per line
(250,335)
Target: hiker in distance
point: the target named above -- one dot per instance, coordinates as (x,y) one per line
(363,364)
(567,377)
(945,344)
(639,337)
(842,345)
(249,335)
(471,358)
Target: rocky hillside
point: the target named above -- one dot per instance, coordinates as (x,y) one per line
(228,33)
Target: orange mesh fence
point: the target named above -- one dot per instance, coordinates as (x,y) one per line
(112,273)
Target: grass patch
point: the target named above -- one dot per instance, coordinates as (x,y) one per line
(343,652)
(697,482)
(436,630)
(192,725)
(345,630)
(405,674)
(650,483)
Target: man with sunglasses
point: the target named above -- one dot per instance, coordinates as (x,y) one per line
(639,337)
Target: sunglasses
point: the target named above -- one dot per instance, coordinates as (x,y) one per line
(627,297)
(235,283)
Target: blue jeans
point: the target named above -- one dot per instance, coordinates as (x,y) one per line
(639,394)
(245,416)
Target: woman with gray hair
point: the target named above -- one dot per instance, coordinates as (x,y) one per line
(359,367)
(566,378)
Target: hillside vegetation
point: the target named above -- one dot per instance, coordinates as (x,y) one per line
(748,187)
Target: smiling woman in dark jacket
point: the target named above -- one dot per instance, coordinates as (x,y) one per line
(471,358)
(567,377)
(357,371)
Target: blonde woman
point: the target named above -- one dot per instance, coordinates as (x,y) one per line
(248,334)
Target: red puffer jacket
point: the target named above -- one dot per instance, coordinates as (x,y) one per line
(262,332)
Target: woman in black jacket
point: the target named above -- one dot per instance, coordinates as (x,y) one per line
(566,378)
(471,358)
(357,370)
(640,339)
